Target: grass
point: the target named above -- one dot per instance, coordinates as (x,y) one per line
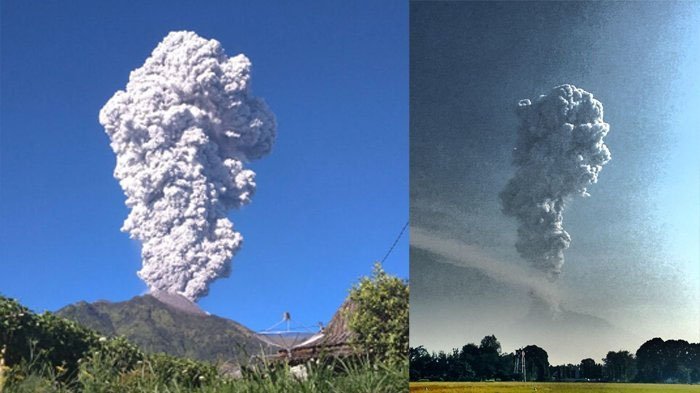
(98,375)
(521,387)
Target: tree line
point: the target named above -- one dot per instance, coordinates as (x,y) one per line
(658,361)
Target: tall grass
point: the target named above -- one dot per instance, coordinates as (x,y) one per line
(100,373)
(548,387)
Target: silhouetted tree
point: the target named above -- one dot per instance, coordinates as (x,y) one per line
(619,366)
(565,372)
(489,353)
(650,361)
(490,344)
(668,361)
(590,369)
(469,353)
(536,363)
(656,361)
(420,362)
(505,370)
(469,363)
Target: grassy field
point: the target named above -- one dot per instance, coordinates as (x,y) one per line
(520,387)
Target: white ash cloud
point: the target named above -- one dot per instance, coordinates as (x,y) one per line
(559,153)
(183,130)
(461,254)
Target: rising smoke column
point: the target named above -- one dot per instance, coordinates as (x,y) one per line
(559,153)
(182,132)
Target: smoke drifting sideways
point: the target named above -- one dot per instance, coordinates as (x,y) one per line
(461,254)
(182,132)
(559,153)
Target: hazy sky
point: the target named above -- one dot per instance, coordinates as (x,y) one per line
(331,196)
(633,269)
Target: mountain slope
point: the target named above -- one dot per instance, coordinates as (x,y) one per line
(171,325)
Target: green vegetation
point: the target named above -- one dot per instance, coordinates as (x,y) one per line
(379,318)
(155,327)
(522,387)
(472,363)
(47,340)
(98,374)
(46,353)
(656,361)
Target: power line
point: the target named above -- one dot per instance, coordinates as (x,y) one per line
(395,242)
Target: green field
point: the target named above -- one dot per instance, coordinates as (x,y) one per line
(520,387)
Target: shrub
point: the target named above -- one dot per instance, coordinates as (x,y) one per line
(380,316)
(41,342)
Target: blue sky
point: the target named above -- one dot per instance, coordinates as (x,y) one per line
(332,196)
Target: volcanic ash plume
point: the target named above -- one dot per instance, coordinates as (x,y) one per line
(559,153)
(182,131)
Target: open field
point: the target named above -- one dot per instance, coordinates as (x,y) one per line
(520,387)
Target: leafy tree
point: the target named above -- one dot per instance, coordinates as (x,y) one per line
(420,362)
(619,366)
(650,360)
(536,363)
(466,371)
(469,353)
(505,370)
(590,369)
(565,371)
(380,316)
(675,361)
(489,356)
(441,365)
(668,361)
(469,357)
(490,344)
